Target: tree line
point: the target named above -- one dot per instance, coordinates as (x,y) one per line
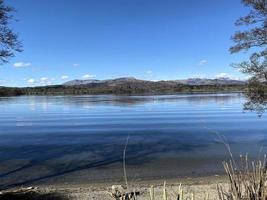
(120,89)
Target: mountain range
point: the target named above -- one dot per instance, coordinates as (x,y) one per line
(129,85)
(132,80)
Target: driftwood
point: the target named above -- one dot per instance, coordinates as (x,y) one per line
(118,192)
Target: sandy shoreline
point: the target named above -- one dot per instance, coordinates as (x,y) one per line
(199,186)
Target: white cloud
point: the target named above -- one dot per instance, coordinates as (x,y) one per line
(43,79)
(88,76)
(22,64)
(64,77)
(224,76)
(31,81)
(246,77)
(75,65)
(202,62)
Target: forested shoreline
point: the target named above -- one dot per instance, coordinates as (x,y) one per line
(121,89)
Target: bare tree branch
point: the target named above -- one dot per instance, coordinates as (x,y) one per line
(9,43)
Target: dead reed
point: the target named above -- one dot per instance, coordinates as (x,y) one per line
(248,182)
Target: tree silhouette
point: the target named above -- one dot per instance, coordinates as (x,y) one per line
(9,43)
(254,38)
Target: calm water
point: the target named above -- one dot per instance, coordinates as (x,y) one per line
(70,139)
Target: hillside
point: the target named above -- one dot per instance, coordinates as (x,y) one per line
(128,85)
(190,81)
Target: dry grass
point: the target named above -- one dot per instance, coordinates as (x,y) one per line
(248,182)
(173,195)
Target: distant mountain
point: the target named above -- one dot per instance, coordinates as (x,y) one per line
(129,85)
(81,82)
(205,81)
(111,82)
(132,80)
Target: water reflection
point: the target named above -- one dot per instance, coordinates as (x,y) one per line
(81,138)
(88,101)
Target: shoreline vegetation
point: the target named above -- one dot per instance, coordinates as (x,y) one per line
(129,86)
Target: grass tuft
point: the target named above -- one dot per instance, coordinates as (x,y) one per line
(248,182)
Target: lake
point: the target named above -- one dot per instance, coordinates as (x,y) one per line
(70,139)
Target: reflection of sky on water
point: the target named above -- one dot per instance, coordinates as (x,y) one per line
(86,132)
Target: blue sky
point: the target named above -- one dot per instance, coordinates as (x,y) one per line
(101,39)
